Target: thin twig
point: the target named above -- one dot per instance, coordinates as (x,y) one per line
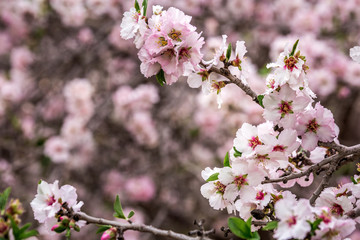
(233,79)
(325,182)
(137,227)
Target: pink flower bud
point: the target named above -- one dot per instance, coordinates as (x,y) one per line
(109,234)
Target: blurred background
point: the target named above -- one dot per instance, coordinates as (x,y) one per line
(75,107)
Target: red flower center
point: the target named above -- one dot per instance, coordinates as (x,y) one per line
(220,188)
(254,141)
(312,126)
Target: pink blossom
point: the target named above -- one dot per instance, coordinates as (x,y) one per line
(141,189)
(249,137)
(57,149)
(316,124)
(282,106)
(21,57)
(293,217)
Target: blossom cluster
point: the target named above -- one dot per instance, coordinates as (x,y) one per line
(286,143)
(75,144)
(293,127)
(133,108)
(50,200)
(168,44)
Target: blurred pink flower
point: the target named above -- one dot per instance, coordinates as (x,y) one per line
(141,189)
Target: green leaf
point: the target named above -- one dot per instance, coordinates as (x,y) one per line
(353,180)
(24,228)
(118,209)
(228,52)
(270,226)
(294,48)
(4,198)
(144,4)
(255,236)
(227,160)
(213,177)
(240,228)
(260,100)
(314,226)
(237,153)
(102,228)
(137,6)
(130,214)
(28,234)
(160,77)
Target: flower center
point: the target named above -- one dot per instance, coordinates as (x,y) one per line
(291,221)
(271,84)
(325,217)
(240,180)
(162,41)
(184,52)
(175,35)
(254,141)
(260,195)
(220,188)
(279,148)
(290,63)
(285,108)
(262,158)
(50,201)
(337,209)
(312,126)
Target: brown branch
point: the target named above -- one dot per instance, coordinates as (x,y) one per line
(343,152)
(325,182)
(233,79)
(137,227)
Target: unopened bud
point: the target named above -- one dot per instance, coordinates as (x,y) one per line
(58,228)
(72,223)
(64,220)
(4,228)
(15,207)
(109,234)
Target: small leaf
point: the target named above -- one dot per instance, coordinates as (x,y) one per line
(102,228)
(130,214)
(4,198)
(260,100)
(237,153)
(28,234)
(228,52)
(227,160)
(144,4)
(314,226)
(353,180)
(270,226)
(255,236)
(118,209)
(239,227)
(137,6)
(160,77)
(294,48)
(213,177)
(24,228)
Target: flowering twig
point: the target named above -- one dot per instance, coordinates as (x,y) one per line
(235,80)
(345,152)
(137,227)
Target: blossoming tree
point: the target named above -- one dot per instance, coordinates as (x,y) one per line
(297,141)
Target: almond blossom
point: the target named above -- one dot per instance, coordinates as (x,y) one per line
(316,124)
(293,217)
(281,106)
